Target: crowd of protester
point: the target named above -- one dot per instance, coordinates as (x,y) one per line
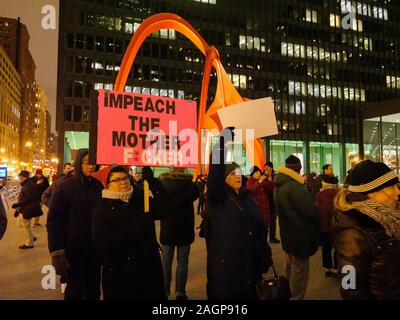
(102,235)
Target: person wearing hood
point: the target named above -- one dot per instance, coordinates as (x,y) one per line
(299,223)
(260,187)
(28,207)
(177,230)
(366,232)
(69,228)
(125,237)
(68,173)
(238,253)
(324,200)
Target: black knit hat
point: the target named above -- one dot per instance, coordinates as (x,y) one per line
(229,167)
(292,162)
(254,169)
(330,179)
(24,173)
(368,177)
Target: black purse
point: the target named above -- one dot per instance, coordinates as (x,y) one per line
(273,288)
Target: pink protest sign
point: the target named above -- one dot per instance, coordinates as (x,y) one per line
(141,130)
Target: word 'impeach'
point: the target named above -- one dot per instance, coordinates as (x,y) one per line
(139,103)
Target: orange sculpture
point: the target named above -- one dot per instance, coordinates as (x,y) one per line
(226,94)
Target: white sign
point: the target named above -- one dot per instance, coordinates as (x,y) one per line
(258,115)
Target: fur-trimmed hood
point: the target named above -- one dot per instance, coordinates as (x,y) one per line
(176,175)
(285,175)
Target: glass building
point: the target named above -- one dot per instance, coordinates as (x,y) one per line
(320,60)
(381,134)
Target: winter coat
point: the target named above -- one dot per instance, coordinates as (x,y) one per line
(69,220)
(41,187)
(3,218)
(177,229)
(125,237)
(299,219)
(361,242)
(28,204)
(259,192)
(46,195)
(238,252)
(324,201)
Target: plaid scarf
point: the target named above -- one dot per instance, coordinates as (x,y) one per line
(385,215)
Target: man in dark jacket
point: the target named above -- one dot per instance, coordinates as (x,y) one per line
(41,183)
(28,206)
(69,225)
(68,173)
(177,230)
(299,222)
(270,173)
(327,171)
(3,217)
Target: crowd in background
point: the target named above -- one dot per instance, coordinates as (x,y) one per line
(102,235)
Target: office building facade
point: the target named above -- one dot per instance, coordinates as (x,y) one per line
(10,112)
(14,38)
(321,61)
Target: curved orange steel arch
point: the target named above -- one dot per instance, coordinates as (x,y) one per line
(226,94)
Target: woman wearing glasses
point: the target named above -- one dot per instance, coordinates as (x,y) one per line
(126,239)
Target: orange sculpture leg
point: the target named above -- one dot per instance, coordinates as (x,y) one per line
(226,94)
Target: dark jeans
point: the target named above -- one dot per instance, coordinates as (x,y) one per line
(326,243)
(272,225)
(83,281)
(181,268)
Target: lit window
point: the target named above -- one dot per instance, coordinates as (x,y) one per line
(98,86)
(128,27)
(181,94)
(311,16)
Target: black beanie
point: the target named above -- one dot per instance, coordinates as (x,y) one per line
(368,177)
(330,179)
(292,162)
(254,169)
(229,167)
(24,174)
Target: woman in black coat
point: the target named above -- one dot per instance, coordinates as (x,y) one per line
(125,237)
(238,253)
(366,233)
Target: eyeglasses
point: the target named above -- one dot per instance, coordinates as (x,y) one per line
(119,180)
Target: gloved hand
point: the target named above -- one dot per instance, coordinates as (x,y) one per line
(15,206)
(60,263)
(16,213)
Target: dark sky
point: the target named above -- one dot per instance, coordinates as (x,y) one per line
(43,43)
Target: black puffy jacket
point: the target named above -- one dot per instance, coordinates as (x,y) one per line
(177,229)
(361,242)
(28,203)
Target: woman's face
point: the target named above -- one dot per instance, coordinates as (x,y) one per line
(119,181)
(257,175)
(234,179)
(388,196)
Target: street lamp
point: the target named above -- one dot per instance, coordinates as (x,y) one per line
(2,150)
(28,144)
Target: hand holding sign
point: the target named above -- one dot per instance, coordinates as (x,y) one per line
(258,115)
